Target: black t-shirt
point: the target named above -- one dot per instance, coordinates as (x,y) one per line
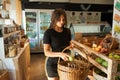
(57,40)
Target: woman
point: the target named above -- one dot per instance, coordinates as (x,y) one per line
(56,38)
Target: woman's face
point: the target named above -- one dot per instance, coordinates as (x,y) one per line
(61,21)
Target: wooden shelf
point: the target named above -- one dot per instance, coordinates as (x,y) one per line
(12,33)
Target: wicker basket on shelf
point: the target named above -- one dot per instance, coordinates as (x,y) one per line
(110,42)
(73,70)
(4,75)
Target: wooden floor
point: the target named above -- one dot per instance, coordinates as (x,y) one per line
(37,67)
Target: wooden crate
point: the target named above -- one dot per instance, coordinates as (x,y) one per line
(86,52)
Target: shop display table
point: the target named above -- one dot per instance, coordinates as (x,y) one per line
(87,53)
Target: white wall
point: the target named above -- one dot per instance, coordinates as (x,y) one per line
(12,10)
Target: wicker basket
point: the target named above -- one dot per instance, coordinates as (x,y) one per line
(4,75)
(111,42)
(73,70)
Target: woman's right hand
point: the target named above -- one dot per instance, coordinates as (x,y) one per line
(64,56)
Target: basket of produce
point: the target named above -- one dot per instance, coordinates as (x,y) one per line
(73,69)
(4,75)
(107,44)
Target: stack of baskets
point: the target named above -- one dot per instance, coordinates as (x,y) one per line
(73,70)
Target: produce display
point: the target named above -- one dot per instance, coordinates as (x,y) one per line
(98,71)
(101,53)
(113,55)
(102,62)
(105,64)
(103,75)
(106,45)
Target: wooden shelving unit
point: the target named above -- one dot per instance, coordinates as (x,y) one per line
(87,53)
(17,58)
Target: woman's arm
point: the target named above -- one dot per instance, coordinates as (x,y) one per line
(48,52)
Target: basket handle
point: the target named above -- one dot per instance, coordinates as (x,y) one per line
(68,47)
(73,65)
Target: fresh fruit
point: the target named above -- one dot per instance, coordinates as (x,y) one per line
(116,56)
(71,58)
(110,55)
(103,50)
(99,60)
(94,45)
(105,63)
(97,49)
(99,46)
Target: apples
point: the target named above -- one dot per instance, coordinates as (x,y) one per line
(110,55)
(71,58)
(105,63)
(114,56)
(99,46)
(101,49)
(94,45)
(99,60)
(102,62)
